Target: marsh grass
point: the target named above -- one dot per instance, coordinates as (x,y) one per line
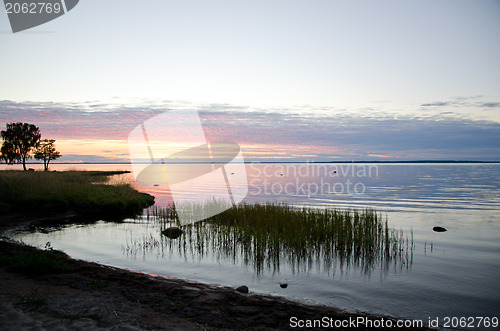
(28,260)
(265,236)
(164,216)
(69,189)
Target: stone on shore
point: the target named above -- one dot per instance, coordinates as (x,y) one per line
(242,289)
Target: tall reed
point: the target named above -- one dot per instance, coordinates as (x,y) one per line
(267,236)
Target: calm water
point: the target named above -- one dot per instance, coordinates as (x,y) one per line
(454,273)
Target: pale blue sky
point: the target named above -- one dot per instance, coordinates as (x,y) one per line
(259,53)
(383,59)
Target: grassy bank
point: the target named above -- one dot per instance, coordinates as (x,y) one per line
(85,191)
(29,260)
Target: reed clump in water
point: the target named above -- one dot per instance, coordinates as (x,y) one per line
(266,235)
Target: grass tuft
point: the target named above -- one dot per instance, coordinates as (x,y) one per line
(28,260)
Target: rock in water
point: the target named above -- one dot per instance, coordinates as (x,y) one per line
(439,229)
(283,285)
(242,289)
(172,232)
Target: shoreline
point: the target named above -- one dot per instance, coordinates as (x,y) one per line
(111,298)
(278,162)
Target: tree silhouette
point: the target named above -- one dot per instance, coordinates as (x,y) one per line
(18,141)
(46,151)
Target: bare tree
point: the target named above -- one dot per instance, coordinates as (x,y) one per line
(46,151)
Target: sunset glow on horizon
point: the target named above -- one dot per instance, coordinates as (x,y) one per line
(286,80)
(102,137)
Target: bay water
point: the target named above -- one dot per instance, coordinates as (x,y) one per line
(449,274)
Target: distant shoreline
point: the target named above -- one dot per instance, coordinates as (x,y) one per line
(281,162)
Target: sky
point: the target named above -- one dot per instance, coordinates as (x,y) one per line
(287,80)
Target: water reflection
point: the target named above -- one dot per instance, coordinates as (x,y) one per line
(452,274)
(270,236)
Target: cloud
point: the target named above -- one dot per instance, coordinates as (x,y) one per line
(470,102)
(491,104)
(435,104)
(349,135)
(287,134)
(79,121)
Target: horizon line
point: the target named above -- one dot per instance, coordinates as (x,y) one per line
(344,161)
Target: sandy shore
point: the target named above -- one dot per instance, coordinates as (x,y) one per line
(89,296)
